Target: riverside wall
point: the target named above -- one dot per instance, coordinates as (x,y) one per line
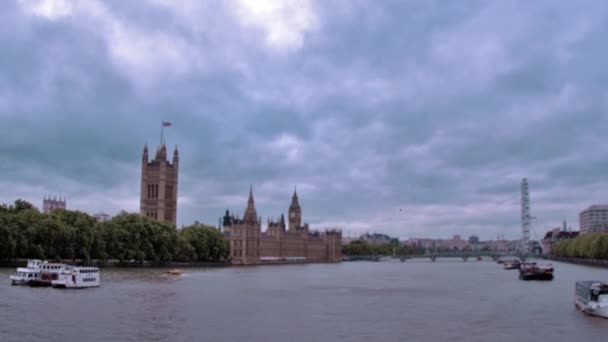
(582,261)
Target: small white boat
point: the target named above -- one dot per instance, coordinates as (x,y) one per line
(592,297)
(26,275)
(73,277)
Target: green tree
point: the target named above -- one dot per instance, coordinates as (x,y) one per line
(207,242)
(8,243)
(599,247)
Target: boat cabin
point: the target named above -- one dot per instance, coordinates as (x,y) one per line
(592,291)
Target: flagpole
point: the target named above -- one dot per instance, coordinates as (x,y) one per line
(162,125)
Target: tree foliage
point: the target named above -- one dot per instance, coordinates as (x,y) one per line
(590,245)
(66,234)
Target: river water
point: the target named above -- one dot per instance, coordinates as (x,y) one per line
(417,300)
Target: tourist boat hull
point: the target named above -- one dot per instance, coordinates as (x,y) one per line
(593,309)
(15,280)
(536,276)
(39,283)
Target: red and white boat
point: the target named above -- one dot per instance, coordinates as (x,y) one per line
(535,271)
(48,273)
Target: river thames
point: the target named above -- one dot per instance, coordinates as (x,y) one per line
(358,301)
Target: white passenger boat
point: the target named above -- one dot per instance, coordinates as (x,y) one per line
(592,297)
(48,273)
(73,277)
(25,275)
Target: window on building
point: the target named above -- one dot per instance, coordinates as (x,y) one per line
(169,191)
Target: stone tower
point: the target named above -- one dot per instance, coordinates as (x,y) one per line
(49,204)
(158,198)
(244,234)
(295,213)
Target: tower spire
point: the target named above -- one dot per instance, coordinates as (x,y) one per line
(294,198)
(175,155)
(250,200)
(145,154)
(251,216)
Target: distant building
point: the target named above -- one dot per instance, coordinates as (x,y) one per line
(249,245)
(594,219)
(102,217)
(375,239)
(555,235)
(158,198)
(49,204)
(455,243)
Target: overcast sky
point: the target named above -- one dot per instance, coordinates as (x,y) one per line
(412,118)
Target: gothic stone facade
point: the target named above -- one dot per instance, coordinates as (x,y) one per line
(249,245)
(50,204)
(158,198)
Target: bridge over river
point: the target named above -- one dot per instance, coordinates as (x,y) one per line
(434,255)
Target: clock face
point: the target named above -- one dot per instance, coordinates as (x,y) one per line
(292,215)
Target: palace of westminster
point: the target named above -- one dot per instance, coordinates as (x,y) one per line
(248,244)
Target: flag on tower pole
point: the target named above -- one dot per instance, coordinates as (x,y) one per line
(163,124)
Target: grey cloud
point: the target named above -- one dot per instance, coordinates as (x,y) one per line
(438,108)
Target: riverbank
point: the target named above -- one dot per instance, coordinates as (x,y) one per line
(582,261)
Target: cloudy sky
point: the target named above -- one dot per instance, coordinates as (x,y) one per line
(413,118)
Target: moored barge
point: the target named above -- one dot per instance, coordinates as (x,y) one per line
(535,271)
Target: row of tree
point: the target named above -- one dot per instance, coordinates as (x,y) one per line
(358,247)
(66,234)
(590,245)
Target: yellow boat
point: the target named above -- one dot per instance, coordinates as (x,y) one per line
(175,272)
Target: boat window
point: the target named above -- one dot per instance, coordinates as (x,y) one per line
(603,298)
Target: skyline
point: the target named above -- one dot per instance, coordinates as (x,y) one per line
(406,118)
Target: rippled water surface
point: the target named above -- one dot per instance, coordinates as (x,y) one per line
(361,301)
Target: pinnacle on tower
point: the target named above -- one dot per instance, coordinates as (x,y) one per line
(250,201)
(251,216)
(175,155)
(294,198)
(161,154)
(145,154)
